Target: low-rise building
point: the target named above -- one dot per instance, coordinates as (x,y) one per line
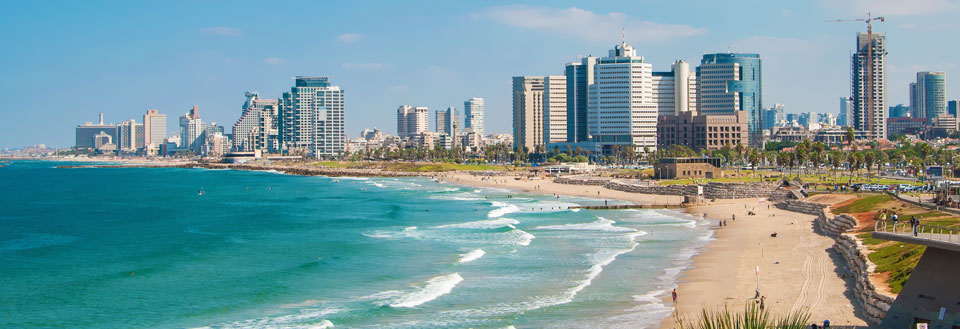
(905,125)
(704,131)
(670,168)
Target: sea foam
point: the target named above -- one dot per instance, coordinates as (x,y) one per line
(502,209)
(471,256)
(432,289)
(601,224)
(483,224)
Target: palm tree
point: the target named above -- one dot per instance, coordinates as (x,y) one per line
(755,158)
(869,159)
(836,160)
(818,149)
(849,136)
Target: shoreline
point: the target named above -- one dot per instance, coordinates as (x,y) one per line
(796,268)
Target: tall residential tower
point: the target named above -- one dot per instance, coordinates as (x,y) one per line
(870,116)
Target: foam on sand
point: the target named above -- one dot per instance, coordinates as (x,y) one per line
(471,256)
(432,289)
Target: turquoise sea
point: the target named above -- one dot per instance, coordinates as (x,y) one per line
(141,248)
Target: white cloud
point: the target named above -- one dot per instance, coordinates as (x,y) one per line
(586,24)
(366,66)
(274,60)
(891,7)
(349,37)
(223,30)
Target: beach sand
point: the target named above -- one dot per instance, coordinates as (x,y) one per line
(798,270)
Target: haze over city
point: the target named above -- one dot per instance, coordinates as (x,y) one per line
(67,63)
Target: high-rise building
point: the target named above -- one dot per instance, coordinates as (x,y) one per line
(154,130)
(953,107)
(900,111)
(931,95)
(913,102)
(846,112)
(127,137)
(675,91)
(528,112)
(621,109)
(579,75)
(312,118)
(448,125)
(85,133)
(555,109)
(473,115)
(412,120)
(870,113)
(258,127)
(191,131)
(773,117)
(731,82)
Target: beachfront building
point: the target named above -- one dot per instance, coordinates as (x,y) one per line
(528,113)
(86,132)
(312,118)
(129,136)
(412,120)
(554,109)
(191,131)
(154,130)
(258,126)
(870,116)
(675,91)
(731,82)
(473,115)
(703,131)
(621,109)
(103,141)
(929,94)
(671,168)
(578,76)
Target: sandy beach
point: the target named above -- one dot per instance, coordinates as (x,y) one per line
(797,269)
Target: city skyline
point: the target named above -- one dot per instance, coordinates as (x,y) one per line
(197,58)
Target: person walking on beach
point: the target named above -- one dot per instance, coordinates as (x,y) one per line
(674,295)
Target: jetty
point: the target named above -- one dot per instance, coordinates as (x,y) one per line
(629,206)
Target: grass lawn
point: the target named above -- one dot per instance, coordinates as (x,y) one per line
(864,204)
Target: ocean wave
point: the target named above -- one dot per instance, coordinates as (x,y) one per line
(36,240)
(306,318)
(519,237)
(654,296)
(457,197)
(432,289)
(483,224)
(502,209)
(377,184)
(471,256)
(351,178)
(601,224)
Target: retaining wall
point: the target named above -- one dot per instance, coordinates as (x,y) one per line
(875,304)
(712,190)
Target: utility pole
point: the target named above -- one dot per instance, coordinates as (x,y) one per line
(869,62)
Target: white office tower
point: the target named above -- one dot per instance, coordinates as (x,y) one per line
(675,92)
(258,126)
(473,115)
(312,118)
(154,130)
(528,113)
(191,131)
(621,110)
(870,113)
(555,109)
(412,120)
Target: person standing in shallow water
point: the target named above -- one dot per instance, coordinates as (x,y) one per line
(674,295)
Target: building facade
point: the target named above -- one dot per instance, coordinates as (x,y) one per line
(312,118)
(86,132)
(900,111)
(621,109)
(154,130)
(448,126)
(930,95)
(191,131)
(528,112)
(846,112)
(578,75)
(473,115)
(704,131)
(555,109)
(952,107)
(773,117)
(870,113)
(905,126)
(732,82)
(412,120)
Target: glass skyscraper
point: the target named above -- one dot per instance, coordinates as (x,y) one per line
(731,82)
(931,96)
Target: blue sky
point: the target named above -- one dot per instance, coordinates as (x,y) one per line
(66,62)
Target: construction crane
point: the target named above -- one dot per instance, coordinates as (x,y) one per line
(869,70)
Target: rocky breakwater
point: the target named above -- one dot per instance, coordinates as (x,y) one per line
(653,189)
(582,180)
(874,303)
(714,190)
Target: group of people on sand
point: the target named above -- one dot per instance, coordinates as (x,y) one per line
(895,218)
